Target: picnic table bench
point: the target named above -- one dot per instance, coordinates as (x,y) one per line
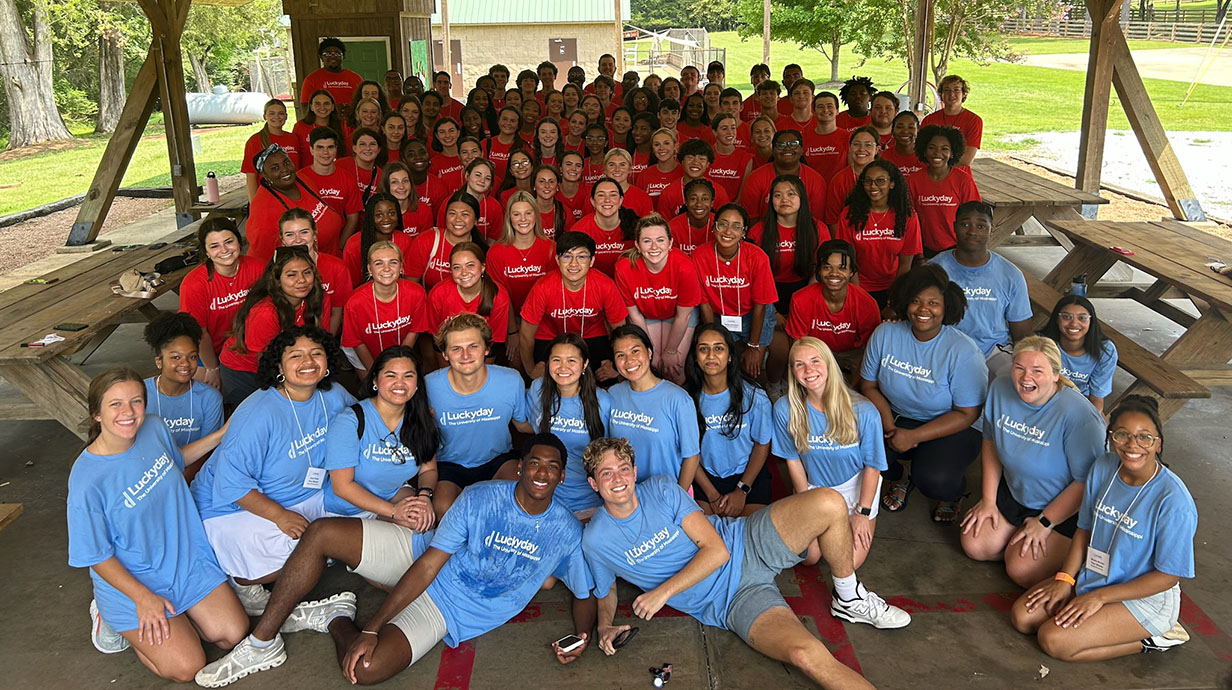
(1018,195)
(81,292)
(233,204)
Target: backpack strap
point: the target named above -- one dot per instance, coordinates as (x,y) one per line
(358,409)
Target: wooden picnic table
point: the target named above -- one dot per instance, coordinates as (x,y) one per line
(1018,195)
(80,292)
(233,204)
(1175,254)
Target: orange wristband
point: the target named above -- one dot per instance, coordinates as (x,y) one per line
(1065,577)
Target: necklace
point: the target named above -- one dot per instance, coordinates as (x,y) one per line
(517,500)
(159,398)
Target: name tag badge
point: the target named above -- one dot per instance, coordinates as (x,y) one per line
(315,478)
(1098,561)
(735,324)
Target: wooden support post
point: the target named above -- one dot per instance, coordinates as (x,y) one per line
(1098,92)
(620,43)
(921,50)
(175,111)
(446,53)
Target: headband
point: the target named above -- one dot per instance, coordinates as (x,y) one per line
(258,161)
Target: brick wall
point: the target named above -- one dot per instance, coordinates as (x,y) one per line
(524,46)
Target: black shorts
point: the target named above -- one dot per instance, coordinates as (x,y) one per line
(1015,513)
(785,292)
(759,495)
(465,476)
(600,349)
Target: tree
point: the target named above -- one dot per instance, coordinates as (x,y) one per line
(111,91)
(716,15)
(215,35)
(823,25)
(26,68)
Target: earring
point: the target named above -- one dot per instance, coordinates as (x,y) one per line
(374,386)
(280,378)
(327,373)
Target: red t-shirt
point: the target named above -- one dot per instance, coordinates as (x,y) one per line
(907,164)
(335,279)
(341,85)
(377,325)
(417,220)
(936,203)
(687,238)
(578,205)
(656,295)
(685,132)
(731,288)
(877,249)
(783,107)
(587,312)
(825,153)
(287,140)
(260,328)
(750,109)
(355,262)
(638,201)
(445,301)
(849,329)
(671,201)
(845,120)
(337,190)
(448,169)
(652,180)
(967,122)
(591,172)
(429,270)
(756,195)
(433,192)
(367,182)
(727,171)
(491,215)
(214,301)
(841,185)
(641,161)
(498,153)
(744,136)
(516,270)
(786,252)
(788,122)
(265,209)
(609,245)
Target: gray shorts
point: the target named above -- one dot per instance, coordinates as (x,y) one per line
(1158,612)
(765,556)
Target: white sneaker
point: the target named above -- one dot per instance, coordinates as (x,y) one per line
(242,661)
(253,597)
(316,615)
(869,608)
(1175,637)
(104,637)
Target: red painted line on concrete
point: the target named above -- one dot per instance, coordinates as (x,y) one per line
(456,666)
(1200,624)
(814,602)
(961,604)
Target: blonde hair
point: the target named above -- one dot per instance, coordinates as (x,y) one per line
(653,220)
(507,231)
(461,322)
(596,449)
(618,153)
(835,400)
(1048,348)
(761,118)
(383,244)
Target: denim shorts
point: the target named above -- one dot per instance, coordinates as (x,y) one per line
(746,327)
(1158,612)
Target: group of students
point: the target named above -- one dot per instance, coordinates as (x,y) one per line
(669,360)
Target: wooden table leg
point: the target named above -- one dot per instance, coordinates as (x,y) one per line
(1093,261)
(1008,221)
(1046,213)
(1205,344)
(56,386)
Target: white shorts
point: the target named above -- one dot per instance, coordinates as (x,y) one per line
(384,558)
(850,491)
(250,547)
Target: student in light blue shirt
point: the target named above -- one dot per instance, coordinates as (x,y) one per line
(733,417)
(830,439)
(133,523)
(568,403)
(656,415)
(928,380)
(371,464)
(1040,438)
(1118,591)
(1087,357)
(191,410)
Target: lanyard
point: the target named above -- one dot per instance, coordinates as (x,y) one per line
(158,398)
(718,264)
(1115,529)
(300,427)
(376,316)
(564,306)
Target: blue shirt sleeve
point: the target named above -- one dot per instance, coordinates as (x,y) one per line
(1084,441)
(1174,539)
(451,533)
(783,445)
(241,457)
(1018,306)
(968,374)
(872,437)
(1097,480)
(872,352)
(762,425)
(1101,378)
(573,571)
(342,442)
(89,540)
(518,394)
(211,412)
(686,425)
(602,576)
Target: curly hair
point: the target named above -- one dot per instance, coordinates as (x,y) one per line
(168,326)
(848,85)
(270,365)
(951,134)
(596,449)
(919,279)
(899,197)
(269,286)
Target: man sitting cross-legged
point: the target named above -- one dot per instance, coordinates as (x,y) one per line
(498,544)
(721,570)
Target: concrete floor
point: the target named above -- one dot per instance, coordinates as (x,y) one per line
(960,636)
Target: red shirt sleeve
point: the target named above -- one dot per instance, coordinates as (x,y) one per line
(688,284)
(358,311)
(613,306)
(912,242)
(499,318)
(764,290)
(350,257)
(535,307)
(418,298)
(799,312)
(261,328)
(867,316)
(815,187)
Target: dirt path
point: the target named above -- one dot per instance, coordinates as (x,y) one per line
(1176,64)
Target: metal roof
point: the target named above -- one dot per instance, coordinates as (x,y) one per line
(530,11)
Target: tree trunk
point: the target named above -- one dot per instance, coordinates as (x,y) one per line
(111,91)
(836,47)
(203,77)
(27,74)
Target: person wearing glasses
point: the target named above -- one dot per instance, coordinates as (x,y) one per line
(331,76)
(1087,357)
(788,148)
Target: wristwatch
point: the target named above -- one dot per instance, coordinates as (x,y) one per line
(866,512)
(743,487)
(1044,521)
(425,491)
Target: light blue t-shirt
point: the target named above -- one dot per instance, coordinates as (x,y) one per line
(269,447)
(925,380)
(382,464)
(723,456)
(827,462)
(475,428)
(1092,377)
(996,295)
(650,546)
(136,507)
(1044,448)
(190,415)
(661,423)
(501,556)
(569,425)
(1157,533)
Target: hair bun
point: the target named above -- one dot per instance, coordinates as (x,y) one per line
(1146,401)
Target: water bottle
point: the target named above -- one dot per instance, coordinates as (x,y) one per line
(1079,286)
(211,187)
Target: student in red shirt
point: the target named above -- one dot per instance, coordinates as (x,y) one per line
(554,106)
(573,193)
(862,149)
(642,100)
(572,95)
(518,177)
(472,290)
(881,116)
(442,85)
(857,94)
(622,123)
(320,112)
(761,141)
(412,117)
(712,95)
(506,140)
(660,287)
(694,124)
(788,147)
(593,107)
(789,236)
(366,91)
(416,215)
(938,189)
(689,79)
(549,146)
(332,77)
(800,117)
(384,312)
(954,91)
(367,113)
(272,132)
(522,255)
(738,286)
(596,149)
(297,229)
(695,226)
(834,310)
(768,92)
(428,261)
(880,224)
(469,150)
(902,153)
(382,223)
(665,167)
(212,292)
(446,164)
(532,112)
(695,157)
(431,190)
(393,131)
(332,186)
(287,294)
(362,168)
(472,124)
(671,89)
(729,102)
(610,226)
(572,299)
(825,145)
(575,132)
(281,189)
(669,114)
(644,126)
(751,107)
(478,179)
(732,164)
(431,109)
(616,165)
(552,214)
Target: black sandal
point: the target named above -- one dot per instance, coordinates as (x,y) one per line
(895,499)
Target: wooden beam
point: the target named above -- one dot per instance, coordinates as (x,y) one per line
(921,49)
(56,386)
(9,513)
(1098,92)
(175,112)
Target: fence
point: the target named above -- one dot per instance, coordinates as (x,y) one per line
(1134,31)
(647,54)
(1174,16)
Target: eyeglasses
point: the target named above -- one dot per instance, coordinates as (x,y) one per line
(793,144)
(1081,318)
(298,250)
(724,225)
(331,54)
(394,446)
(1121,438)
(570,258)
(596,139)
(520,164)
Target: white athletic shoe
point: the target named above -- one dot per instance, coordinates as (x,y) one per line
(242,661)
(253,597)
(316,615)
(1175,637)
(869,608)
(104,637)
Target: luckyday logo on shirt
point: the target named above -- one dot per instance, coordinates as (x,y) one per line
(141,488)
(514,545)
(525,271)
(935,200)
(308,442)
(647,549)
(569,425)
(822,442)
(604,247)
(330,192)
(439,264)
(1022,430)
(229,300)
(654,293)
(387,326)
(727,281)
(829,327)
(1075,376)
(181,424)
(904,368)
(1108,513)
(724,172)
(482,414)
(633,418)
(379,452)
(874,233)
(827,150)
(718,422)
(573,313)
(979,294)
